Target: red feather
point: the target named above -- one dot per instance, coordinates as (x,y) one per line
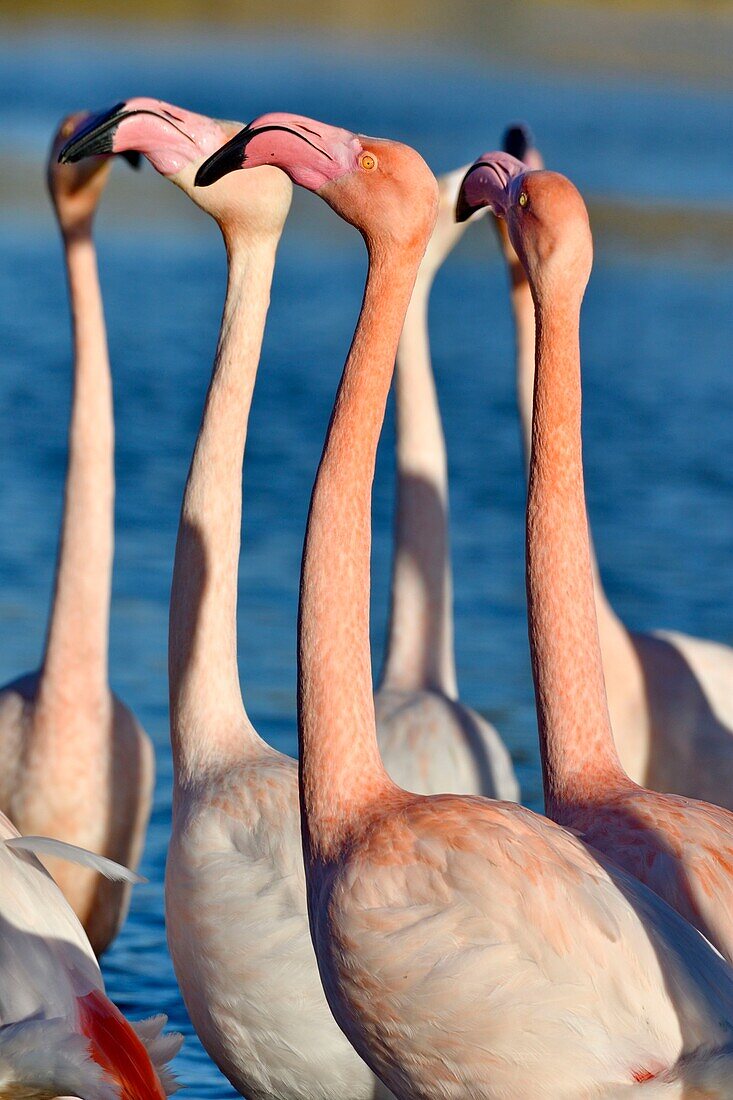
(115,1047)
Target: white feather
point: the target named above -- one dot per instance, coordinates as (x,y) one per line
(39,1059)
(162,1048)
(59,849)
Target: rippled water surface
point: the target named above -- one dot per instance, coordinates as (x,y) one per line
(658,382)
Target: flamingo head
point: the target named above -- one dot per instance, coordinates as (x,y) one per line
(382,187)
(169,137)
(75,189)
(177,142)
(518,142)
(545,216)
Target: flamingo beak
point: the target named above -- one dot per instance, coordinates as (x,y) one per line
(517,140)
(227,159)
(464,209)
(465,206)
(488,182)
(233,155)
(96,137)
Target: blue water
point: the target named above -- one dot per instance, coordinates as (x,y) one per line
(658,385)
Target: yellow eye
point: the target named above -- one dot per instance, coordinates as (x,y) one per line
(368,162)
(523,198)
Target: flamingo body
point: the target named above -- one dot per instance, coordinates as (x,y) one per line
(236,914)
(77,765)
(474,949)
(468,948)
(58,795)
(670,696)
(681,848)
(437,745)
(235,863)
(59,1033)
(685,728)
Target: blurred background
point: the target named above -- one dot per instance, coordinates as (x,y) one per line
(631,100)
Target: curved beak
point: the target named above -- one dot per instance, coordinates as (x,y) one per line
(464,208)
(227,159)
(233,155)
(95,137)
(487,183)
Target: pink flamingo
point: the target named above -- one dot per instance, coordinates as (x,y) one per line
(77,765)
(60,1035)
(466,947)
(681,848)
(670,696)
(235,887)
(433,742)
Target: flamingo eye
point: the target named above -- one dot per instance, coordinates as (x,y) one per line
(368,162)
(523,198)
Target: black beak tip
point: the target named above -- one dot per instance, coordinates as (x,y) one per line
(204,176)
(229,158)
(95,138)
(464,209)
(221,163)
(70,153)
(517,140)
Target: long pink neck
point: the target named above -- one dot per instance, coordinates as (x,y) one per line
(578,753)
(341,772)
(75,659)
(619,659)
(209,725)
(523,311)
(420,653)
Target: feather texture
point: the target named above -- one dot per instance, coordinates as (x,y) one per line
(39,1059)
(59,849)
(162,1048)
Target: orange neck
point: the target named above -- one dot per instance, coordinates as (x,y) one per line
(614,639)
(340,767)
(577,747)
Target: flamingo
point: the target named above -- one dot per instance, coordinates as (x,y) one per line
(77,765)
(433,742)
(467,947)
(680,847)
(60,1035)
(236,912)
(670,696)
